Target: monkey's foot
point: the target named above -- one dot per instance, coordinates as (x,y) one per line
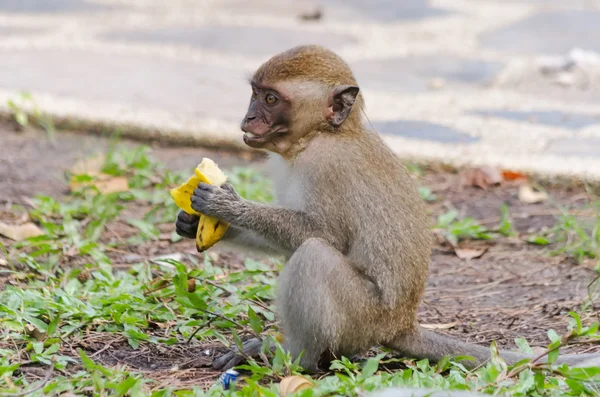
(250,349)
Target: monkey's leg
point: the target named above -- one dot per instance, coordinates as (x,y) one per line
(323,303)
(426,344)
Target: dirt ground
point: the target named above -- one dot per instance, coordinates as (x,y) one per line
(513,290)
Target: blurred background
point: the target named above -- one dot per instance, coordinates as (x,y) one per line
(503,82)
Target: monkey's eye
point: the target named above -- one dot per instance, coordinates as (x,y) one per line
(271,99)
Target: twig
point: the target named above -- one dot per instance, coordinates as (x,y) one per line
(39,386)
(209,322)
(261,304)
(222,317)
(216,286)
(108,345)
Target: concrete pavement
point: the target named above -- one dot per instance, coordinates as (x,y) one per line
(503,82)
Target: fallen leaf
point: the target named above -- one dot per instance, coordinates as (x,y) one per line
(89,166)
(103,182)
(83,276)
(191,285)
(513,175)
(292,384)
(34,332)
(481,177)
(529,196)
(164,236)
(20,232)
(440,326)
(469,253)
(92,167)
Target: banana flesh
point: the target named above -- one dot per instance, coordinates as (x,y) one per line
(210,229)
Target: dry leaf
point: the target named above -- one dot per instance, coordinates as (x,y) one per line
(35,333)
(529,196)
(103,182)
(513,175)
(83,276)
(89,166)
(469,253)
(292,384)
(20,232)
(164,236)
(481,177)
(191,285)
(440,326)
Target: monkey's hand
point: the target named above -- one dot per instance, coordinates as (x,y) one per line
(251,348)
(186,224)
(221,202)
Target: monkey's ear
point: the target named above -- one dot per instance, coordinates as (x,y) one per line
(340,104)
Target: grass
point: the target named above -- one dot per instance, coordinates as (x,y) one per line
(25,112)
(66,294)
(574,234)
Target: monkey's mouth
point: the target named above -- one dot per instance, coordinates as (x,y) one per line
(251,138)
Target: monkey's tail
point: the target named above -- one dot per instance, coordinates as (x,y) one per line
(427,344)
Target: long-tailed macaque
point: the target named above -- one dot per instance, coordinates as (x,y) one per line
(347,216)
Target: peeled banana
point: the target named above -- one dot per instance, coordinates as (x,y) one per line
(210,229)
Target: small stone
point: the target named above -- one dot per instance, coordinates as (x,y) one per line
(565,79)
(176,256)
(83,276)
(552,65)
(131,258)
(437,83)
(583,57)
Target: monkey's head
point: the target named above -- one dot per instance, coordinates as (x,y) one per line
(305,89)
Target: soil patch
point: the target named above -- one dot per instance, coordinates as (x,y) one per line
(513,290)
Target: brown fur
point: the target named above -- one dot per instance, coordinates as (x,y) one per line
(349,219)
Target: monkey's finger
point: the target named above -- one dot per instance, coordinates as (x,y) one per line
(199,204)
(229,187)
(201,195)
(184,233)
(184,217)
(206,186)
(187,228)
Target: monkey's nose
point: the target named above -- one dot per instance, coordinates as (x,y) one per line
(249,118)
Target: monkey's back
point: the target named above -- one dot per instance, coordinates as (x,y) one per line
(377,211)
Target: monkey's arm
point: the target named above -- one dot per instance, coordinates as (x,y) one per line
(187,226)
(285,227)
(247,238)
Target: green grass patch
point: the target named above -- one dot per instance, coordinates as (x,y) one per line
(64,290)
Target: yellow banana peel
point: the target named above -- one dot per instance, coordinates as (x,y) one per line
(210,229)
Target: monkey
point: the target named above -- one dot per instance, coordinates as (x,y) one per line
(347,217)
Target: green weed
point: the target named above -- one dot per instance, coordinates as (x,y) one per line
(65,288)
(24,117)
